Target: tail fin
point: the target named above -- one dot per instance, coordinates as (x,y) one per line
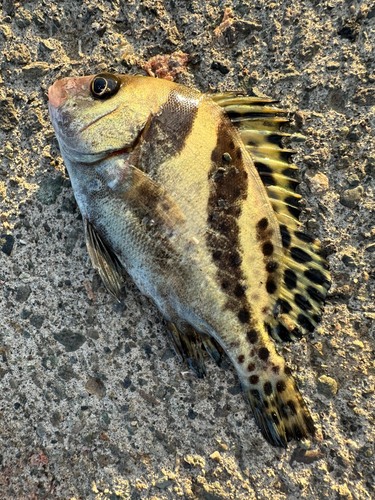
(279,409)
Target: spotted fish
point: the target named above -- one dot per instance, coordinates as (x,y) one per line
(194,196)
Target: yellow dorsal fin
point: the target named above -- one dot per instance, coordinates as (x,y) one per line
(297,305)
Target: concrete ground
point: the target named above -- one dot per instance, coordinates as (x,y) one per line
(93,402)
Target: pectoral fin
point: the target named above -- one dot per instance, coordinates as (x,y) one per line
(103,260)
(149,200)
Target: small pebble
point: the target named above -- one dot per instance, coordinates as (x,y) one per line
(351,197)
(348,261)
(343,163)
(69,339)
(37,321)
(299,118)
(313,225)
(6,243)
(319,183)
(344,131)
(359,344)
(23,292)
(162,483)
(353,180)
(106,418)
(368,452)
(216,456)
(304,444)
(327,386)
(95,387)
(332,65)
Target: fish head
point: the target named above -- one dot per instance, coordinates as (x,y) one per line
(95,116)
(99,121)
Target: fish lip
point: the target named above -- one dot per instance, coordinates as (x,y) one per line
(56,100)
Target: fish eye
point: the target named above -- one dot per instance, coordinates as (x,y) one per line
(104,85)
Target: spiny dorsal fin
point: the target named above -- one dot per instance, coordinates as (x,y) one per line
(297,306)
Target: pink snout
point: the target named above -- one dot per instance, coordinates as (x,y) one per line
(60,90)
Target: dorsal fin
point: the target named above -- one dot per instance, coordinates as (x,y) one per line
(297,306)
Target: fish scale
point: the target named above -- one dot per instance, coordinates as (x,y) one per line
(193,195)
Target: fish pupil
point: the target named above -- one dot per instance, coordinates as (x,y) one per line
(100,85)
(104,85)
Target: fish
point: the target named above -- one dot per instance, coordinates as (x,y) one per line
(194,196)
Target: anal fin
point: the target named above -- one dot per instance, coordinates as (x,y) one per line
(189,345)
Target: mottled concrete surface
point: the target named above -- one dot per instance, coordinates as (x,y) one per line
(93,403)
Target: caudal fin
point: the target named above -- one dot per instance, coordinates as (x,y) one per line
(279,409)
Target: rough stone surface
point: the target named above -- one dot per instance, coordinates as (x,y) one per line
(364,97)
(8,115)
(106,411)
(49,189)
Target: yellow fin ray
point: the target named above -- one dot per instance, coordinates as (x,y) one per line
(296,305)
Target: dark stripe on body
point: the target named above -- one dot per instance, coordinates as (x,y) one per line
(228,191)
(168,130)
(163,137)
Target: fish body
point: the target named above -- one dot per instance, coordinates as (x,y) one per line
(168,191)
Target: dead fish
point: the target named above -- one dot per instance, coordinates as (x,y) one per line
(194,196)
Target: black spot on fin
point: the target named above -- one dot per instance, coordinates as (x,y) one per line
(298,300)
(301,294)
(279,409)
